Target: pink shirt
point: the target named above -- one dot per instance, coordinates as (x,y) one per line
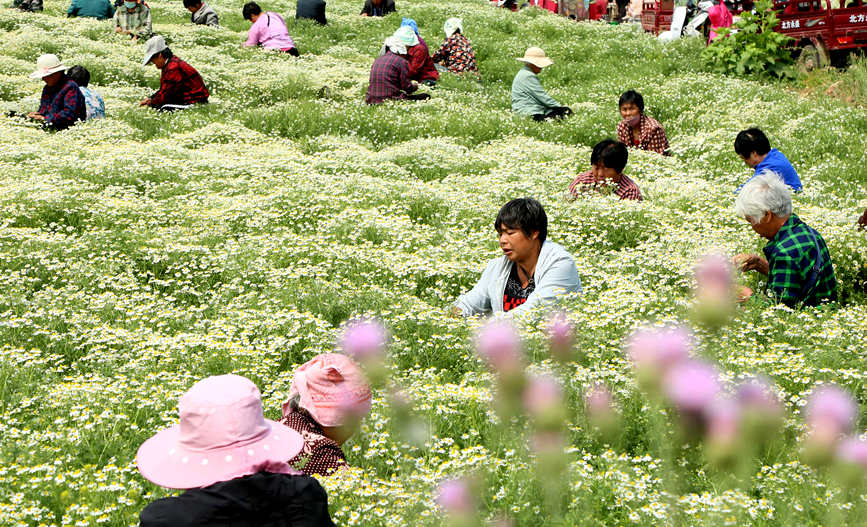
(270,31)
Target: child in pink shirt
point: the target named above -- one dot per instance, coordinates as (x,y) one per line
(268,29)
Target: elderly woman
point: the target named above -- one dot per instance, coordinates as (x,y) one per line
(796,259)
(533,271)
(232,463)
(134,19)
(528,96)
(456,54)
(181,86)
(328,399)
(637,129)
(61,104)
(268,30)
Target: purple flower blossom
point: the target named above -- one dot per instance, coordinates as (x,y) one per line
(657,350)
(542,394)
(723,421)
(692,385)
(561,337)
(854,451)
(364,341)
(755,395)
(454,497)
(599,401)
(714,272)
(831,411)
(499,344)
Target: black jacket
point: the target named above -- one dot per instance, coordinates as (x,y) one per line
(386,7)
(312,9)
(258,500)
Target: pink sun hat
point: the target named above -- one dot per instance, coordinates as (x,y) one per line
(332,388)
(222,435)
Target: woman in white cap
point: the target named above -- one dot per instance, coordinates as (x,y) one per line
(62,103)
(231,461)
(456,54)
(181,86)
(528,97)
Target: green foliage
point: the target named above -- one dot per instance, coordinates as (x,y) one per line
(751,47)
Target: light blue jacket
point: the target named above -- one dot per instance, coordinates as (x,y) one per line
(528,96)
(555,274)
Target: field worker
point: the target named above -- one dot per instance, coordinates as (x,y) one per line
(32,6)
(755,149)
(598,9)
(268,30)
(456,53)
(98,9)
(181,86)
(607,161)
(636,129)
(389,75)
(796,259)
(862,221)
(421,67)
(61,104)
(719,16)
(93,103)
(377,7)
(201,13)
(133,19)
(232,463)
(528,97)
(532,270)
(312,10)
(328,400)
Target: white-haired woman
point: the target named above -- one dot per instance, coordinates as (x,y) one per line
(796,259)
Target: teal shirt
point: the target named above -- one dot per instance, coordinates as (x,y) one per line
(98,9)
(528,95)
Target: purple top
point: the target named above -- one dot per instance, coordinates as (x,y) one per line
(270,31)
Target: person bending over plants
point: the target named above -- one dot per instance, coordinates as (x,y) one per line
(528,96)
(456,54)
(638,130)
(201,13)
(377,7)
(61,104)
(607,161)
(533,270)
(181,86)
(133,19)
(755,149)
(389,75)
(268,30)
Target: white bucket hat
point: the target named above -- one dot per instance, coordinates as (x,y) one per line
(46,65)
(536,57)
(153,46)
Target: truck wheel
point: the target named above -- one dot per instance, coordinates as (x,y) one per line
(812,58)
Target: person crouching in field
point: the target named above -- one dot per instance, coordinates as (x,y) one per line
(61,104)
(755,149)
(528,97)
(98,9)
(389,75)
(607,161)
(201,13)
(533,271)
(377,7)
(796,259)
(33,6)
(93,102)
(637,129)
(268,30)
(231,462)
(133,19)
(456,54)
(181,86)
(311,10)
(328,400)
(421,66)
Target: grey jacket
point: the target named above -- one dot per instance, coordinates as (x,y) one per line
(555,274)
(205,16)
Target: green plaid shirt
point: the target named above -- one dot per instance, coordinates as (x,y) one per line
(800,268)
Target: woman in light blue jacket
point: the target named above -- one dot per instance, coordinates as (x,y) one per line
(531,272)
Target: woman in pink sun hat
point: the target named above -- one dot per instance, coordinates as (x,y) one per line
(327,401)
(232,461)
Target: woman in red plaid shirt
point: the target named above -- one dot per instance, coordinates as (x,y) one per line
(637,129)
(181,86)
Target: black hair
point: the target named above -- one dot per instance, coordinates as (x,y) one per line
(192,3)
(167,53)
(79,75)
(612,154)
(250,9)
(632,96)
(526,214)
(752,140)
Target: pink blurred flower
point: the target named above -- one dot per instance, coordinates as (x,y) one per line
(599,401)
(654,351)
(853,450)
(364,341)
(561,337)
(714,272)
(542,395)
(499,344)
(692,385)
(756,395)
(831,411)
(723,417)
(454,497)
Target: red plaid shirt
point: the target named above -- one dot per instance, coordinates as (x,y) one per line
(421,67)
(180,83)
(62,104)
(389,79)
(651,136)
(625,189)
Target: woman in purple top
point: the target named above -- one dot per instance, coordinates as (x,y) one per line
(268,29)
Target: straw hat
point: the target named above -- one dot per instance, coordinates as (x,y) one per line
(536,57)
(332,388)
(46,65)
(222,435)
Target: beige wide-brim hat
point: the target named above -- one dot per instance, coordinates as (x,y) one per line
(46,65)
(536,57)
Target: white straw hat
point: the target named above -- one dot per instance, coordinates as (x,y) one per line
(46,65)
(536,57)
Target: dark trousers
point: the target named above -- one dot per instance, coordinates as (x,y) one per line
(556,113)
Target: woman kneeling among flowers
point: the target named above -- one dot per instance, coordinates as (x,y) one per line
(327,401)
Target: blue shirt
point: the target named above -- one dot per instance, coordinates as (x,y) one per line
(776,161)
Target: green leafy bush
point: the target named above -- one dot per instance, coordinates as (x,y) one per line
(751,46)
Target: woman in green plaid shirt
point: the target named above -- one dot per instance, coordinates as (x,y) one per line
(134,19)
(797,262)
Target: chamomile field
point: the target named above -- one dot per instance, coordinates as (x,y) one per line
(145,251)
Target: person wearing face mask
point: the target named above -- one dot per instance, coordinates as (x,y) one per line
(637,129)
(607,160)
(533,271)
(133,19)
